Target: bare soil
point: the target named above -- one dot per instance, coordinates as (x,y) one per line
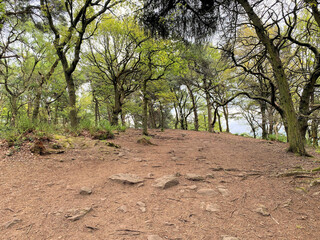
(38,192)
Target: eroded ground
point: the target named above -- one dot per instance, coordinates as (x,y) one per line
(37,193)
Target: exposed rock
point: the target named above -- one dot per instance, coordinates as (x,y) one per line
(212,208)
(207,191)
(286,203)
(126,178)
(121,154)
(223,191)
(103,135)
(122,208)
(111,144)
(194,177)
(192,187)
(263,210)
(144,141)
(140,185)
(142,206)
(166,182)
(150,176)
(174,158)
(154,237)
(11,223)
(315,182)
(85,191)
(209,175)
(76,214)
(38,148)
(229,238)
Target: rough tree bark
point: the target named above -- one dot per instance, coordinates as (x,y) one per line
(296,143)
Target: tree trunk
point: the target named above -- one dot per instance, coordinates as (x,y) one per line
(219,121)
(195,109)
(226,117)
(295,139)
(152,118)
(177,116)
(162,118)
(72,100)
(263,107)
(116,110)
(314,132)
(145,109)
(14,110)
(209,108)
(96,111)
(36,106)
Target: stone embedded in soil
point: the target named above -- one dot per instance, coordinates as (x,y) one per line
(316,194)
(166,182)
(122,208)
(142,206)
(223,191)
(76,214)
(154,237)
(209,175)
(212,208)
(192,187)
(194,177)
(207,191)
(85,191)
(229,238)
(11,223)
(126,178)
(263,210)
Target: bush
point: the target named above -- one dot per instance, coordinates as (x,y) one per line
(280,137)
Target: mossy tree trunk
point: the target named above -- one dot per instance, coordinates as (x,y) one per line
(296,143)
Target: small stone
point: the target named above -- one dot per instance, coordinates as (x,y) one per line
(263,210)
(126,178)
(10,153)
(174,158)
(154,237)
(192,187)
(287,203)
(85,191)
(122,208)
(141,204)
(121,154)
(316,194)
(229,238)
(207,191)
(194,177)
(315,182)
(150,176)
(209,175)
(168,224)
(140,185)
(223,191)
(166,182)
(212,208)
(76,214)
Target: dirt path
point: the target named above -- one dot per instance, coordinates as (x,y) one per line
(37,193)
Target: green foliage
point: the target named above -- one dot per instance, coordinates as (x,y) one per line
(26,130)
(279,138)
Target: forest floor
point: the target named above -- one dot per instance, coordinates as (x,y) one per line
(239,193)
